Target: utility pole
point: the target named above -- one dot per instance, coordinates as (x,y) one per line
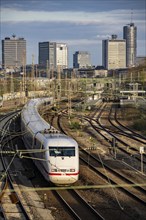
(5,84)
(32,67)
(52,72)
(51,79)
(48,76)
(32,74)
(24,74)
(58,83)
(114,147)
(12,85)
(48,73)
(66,84)
(36,70)
(69,100)
(16,57)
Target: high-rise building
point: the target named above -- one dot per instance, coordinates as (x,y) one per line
(114,53)
(53,54)
(81,59)
(61,55)
(130,35)
(47,54)
(13,52)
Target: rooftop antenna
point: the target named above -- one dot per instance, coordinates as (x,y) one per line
(13,35)
(131,22)
(131,16)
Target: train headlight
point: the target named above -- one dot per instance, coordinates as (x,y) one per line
(72,170)
(54,170)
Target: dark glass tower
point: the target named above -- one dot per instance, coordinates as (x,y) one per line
(130,35)
(47,52)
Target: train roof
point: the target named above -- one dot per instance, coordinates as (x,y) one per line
(59,140)
(32,118)
(40,128)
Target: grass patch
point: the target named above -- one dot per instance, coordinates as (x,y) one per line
(140,125)
(75,125)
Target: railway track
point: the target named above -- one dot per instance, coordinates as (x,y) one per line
(9,189)
(76,205)
(116,173)
(109,136)
(132,136)
(137,192)
(115,179)
(127,129)
(73,201)
(112,117)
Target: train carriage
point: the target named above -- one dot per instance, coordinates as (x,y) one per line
(59,159)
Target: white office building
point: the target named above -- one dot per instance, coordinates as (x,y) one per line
(61,55)
(13,52)
(81,59)
(53,54)
(114,53)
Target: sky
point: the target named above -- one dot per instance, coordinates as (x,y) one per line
(82,24)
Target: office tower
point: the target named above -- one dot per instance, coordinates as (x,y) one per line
(114,53)
(130,35)
(13,52)
(81,59)
(61,55)
(53,54)
(47,54)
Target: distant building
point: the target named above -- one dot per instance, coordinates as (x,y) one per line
(13,52)
(81,59)
(141,60)
(130,35)
(47,53)
(100,71)
(114,53)
(53,54)
(61,55)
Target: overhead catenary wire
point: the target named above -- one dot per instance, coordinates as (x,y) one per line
(122,208)
(81,187)
(8,166)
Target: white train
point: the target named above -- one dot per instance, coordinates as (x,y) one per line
(59,159)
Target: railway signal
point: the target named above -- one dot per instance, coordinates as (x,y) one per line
(141,150)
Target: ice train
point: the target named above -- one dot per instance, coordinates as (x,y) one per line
(58,160)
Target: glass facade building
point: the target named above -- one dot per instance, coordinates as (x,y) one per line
(130,35)
(56,54)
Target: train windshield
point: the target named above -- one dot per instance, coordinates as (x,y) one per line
(62,151)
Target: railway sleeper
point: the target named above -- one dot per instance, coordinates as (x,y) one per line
(14,198)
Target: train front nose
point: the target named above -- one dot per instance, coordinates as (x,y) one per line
(63,178)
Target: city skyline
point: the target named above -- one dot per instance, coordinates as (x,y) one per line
(81,24)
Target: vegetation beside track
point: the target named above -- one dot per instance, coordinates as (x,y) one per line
(135,117)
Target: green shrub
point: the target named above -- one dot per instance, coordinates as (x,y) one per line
(140,125)
(75,125)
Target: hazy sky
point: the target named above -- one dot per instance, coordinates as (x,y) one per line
(82,24)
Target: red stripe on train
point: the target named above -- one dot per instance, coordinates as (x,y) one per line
(63,174)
